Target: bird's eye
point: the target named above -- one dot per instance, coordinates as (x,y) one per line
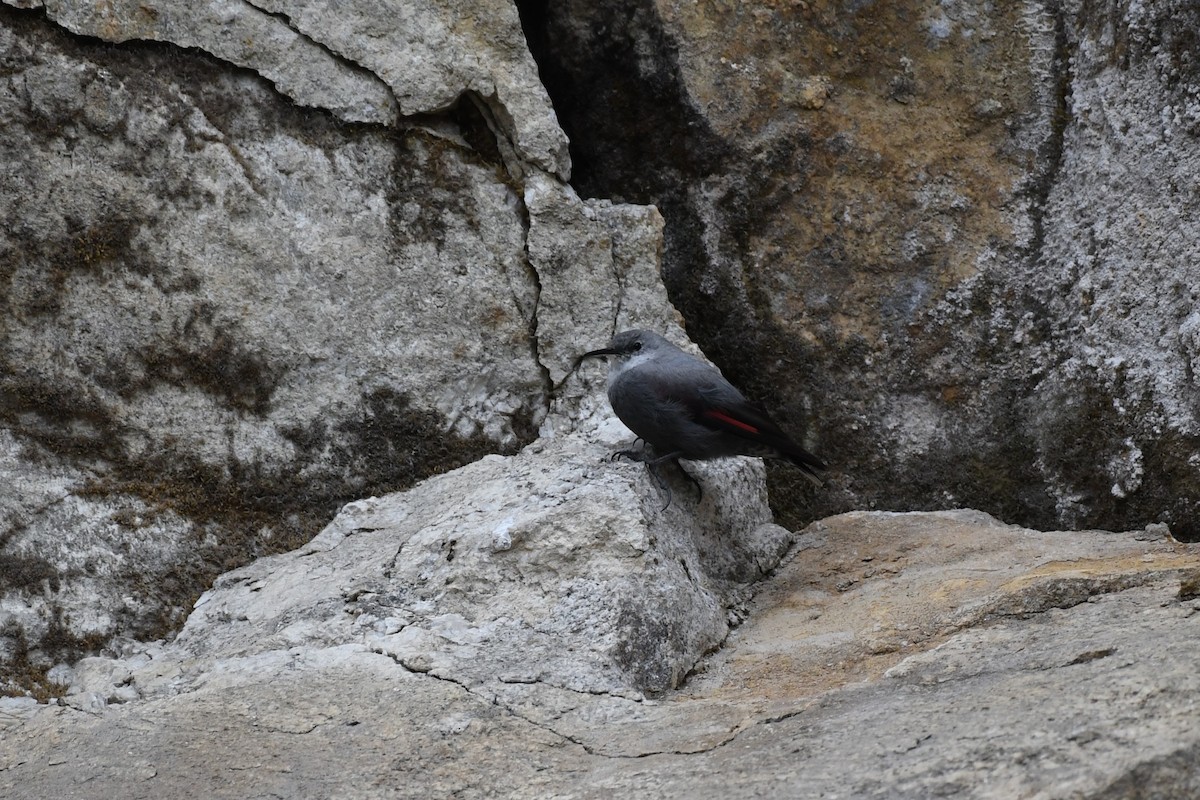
(636,346)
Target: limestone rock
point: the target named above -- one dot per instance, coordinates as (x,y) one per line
(950,243)
(900,655)
(355,59)
(224,316)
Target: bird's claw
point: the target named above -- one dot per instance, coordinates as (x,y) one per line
(652,466)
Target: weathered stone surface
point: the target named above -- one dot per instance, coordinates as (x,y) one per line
(898,655)
(241,34)
(951,241)
(363,62)
(224,316)
(1121,272)
(566,582)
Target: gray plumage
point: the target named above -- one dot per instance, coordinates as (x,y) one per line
(683,408)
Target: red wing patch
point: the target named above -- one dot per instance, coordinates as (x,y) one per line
(723,417)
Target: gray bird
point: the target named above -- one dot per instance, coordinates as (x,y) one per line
(683,408)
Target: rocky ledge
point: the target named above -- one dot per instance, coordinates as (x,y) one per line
(575,640)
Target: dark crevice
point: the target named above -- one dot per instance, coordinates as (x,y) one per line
(613,75)
(473,117)
(1051,152)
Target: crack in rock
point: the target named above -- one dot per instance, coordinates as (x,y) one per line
(259,41)
(304,35)
(493,701)
(535,281)
(590,749)
(629,695)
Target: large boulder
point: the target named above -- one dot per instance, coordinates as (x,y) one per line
(952,244)
(247,279)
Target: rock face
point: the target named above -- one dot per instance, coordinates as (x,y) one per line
(225,313)
(458,640)
(264,259)
(952,240)
(566,584)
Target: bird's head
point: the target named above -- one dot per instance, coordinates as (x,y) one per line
(627,346)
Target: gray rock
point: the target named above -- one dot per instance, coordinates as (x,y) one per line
(357,60)
(966,270)
(247,36)
(224,316)
(552,566)
(61,674)
(898,655)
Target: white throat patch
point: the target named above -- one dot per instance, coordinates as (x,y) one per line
(620,365)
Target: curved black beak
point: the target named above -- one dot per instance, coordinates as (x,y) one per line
(604,351)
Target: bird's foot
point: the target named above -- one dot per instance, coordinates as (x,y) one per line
(673,458)
(631,454)
(652,468)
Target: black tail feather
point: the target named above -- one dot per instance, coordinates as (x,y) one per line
(804,460)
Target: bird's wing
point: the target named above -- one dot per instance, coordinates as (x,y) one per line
(694,389)
(722,407)
(712,401)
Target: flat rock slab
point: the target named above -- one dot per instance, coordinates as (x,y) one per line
(897,655)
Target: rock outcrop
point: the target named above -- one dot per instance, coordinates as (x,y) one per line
(265,261)
(457,640)
(259,271)
(955,241)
